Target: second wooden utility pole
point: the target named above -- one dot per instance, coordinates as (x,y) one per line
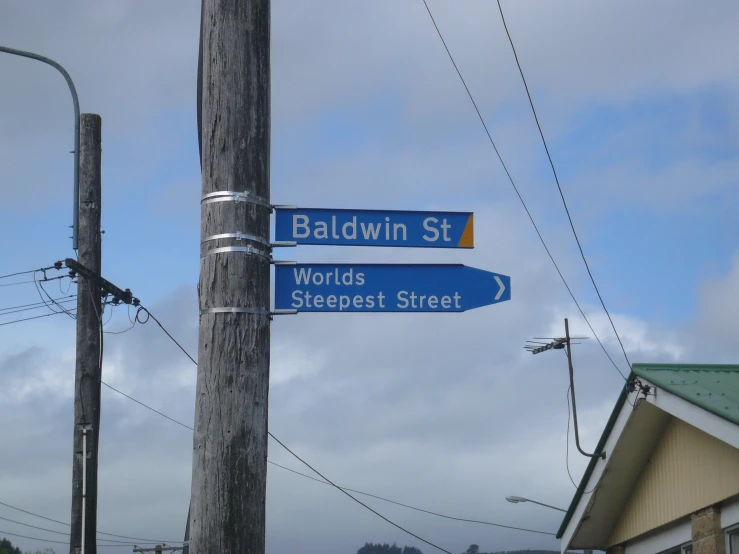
(229,471)
(88,363)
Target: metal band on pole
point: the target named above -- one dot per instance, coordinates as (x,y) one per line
(246,311)
(252,311)
(246,249)
(231,196)
(75,100)
(237,236)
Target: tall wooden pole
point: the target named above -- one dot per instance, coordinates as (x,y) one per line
(230,440)
(88,369)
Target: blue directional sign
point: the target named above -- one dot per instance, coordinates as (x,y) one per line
(374,228)
(387,288)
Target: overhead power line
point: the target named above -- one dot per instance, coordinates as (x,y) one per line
(32,538)
(36,317)
(58,277)
(16,508)
(515,188)
(353,497)
(51,301)
(559,187)
(26,272)
(128,545)
(147,406)
(326,481)
(281,444)
(35,306)
(148,313)
(118,543)
(16,283)
(408,506)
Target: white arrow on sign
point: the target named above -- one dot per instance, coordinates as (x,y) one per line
(501,290)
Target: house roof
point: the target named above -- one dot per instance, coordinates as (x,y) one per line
(714,388)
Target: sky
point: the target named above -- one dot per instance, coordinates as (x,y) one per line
(445,412)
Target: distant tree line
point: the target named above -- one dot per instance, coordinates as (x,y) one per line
(6,547)
(371,548)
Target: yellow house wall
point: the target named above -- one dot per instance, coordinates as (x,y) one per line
(687,471)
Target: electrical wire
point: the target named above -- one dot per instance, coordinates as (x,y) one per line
(30,318)
(34,303)
(33,281)
(25,272)
(408,506)
(32,538)
(68,525)
(36,306)
(326,480)
(355,498)
(559,187)
(120,543)
(33,526)
(16,283)
(57,542)
(40,287)
(69,286)
(146,406)
(515,188)
(39,516)
(126,330)
(149,314)
(111,310)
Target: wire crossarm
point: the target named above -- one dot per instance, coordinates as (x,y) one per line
(119,295)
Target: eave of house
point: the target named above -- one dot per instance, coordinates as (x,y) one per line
(632,432)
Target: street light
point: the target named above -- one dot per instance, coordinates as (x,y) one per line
(517,499)
(76,103)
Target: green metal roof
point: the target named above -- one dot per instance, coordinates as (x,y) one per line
(715,388)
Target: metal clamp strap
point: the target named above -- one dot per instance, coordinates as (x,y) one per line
(237,236)
(229,195)
(247,249)
(246,311)
(252,311)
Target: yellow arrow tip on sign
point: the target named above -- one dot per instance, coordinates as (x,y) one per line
(468,235)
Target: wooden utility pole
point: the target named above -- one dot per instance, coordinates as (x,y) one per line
(88,364)
(230,440)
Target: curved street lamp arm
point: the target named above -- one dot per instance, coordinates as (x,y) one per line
(546,505)
(75,100)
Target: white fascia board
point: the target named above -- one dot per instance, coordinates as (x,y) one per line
(695,415)
(600,467)
(664,539)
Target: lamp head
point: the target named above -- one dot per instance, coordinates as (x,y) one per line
(515,499)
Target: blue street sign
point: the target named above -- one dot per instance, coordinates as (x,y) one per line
(374,228)
(387,287)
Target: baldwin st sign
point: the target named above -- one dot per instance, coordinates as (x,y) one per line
(374,228)
(387,287)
